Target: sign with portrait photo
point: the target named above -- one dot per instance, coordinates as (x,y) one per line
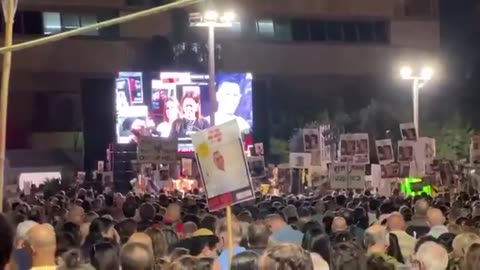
(356,177)
(347,147)
(223,166)
(337,174)
(408,132)
(406,151)
(362,149)
(384,151)
(187,167)
(311,139)
(259,149)
(300,160)
(391,170)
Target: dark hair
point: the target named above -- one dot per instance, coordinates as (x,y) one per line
(129,209)
(286,257)
(147,212)
(178,252)
(347,256)
(311,225)
(394,248)
(72,259)
(198,243)
(125,229)
(98,227)
(65,242)
(447,240)
(258,235)
(472,257)
(208,222)
(73,229)
(105,256)
(425,239)
(377,262)
(6,234)
(247,260)
(191,218)
(205,263)
(316,241)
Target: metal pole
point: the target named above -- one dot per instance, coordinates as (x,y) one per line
(211,73)
(416,86)
(7,60)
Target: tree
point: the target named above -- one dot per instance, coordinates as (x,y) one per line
(452,138)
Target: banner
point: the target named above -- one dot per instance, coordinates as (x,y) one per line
(408,132)
(187,167)
(406,151)
(475,150)
(300,160)
(354,148)
(223,166)
(356,177)
(155,150)
(384,150)
(325,150)
(311,139)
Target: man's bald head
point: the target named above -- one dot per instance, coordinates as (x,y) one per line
(141,238)
(42,239)
(377,235)
(396,222)
(435,217)
(421,207)
(339,224)
(136,256)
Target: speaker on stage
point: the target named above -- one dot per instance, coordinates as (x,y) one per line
(98,110)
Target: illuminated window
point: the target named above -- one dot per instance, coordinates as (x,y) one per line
(51,23)
(265,28)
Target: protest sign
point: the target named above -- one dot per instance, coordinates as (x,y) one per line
(406,151)
(354,148)
(408,132)
(318,175)
(325,153)
(223,165)
(300,160)
(356,177)
(187,166)
(311,139)
(338,175)
(156,150)
(384,150)
(391,170)
(259,149)
(256,165)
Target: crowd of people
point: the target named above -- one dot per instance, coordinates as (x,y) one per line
(84,230)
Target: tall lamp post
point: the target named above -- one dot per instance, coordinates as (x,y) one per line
(419,81)
(212,19)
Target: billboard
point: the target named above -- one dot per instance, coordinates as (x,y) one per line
(177,104)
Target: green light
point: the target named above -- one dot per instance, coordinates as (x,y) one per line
(413,186)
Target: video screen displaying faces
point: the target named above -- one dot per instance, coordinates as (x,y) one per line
(177,104)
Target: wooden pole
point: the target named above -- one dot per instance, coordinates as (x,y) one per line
(230,235)
(6,67)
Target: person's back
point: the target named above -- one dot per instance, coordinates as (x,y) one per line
(419,226)
(6,246)
(135,256)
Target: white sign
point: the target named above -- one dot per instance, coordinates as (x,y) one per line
(300,160)
(408,132)
(406,151)
(324,149)
(223,165)
(356,177)
(384,150)
(338,175)
(354,148)
(156,150)
(259,151)
(311,139)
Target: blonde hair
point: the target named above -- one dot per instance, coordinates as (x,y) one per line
(463,241)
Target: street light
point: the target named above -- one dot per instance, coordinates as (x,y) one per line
(212,19)
(419,81)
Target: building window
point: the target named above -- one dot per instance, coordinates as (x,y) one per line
(236,27)
(282,29)
(56,22)
(265,28)
(318,30)
(350,32)
(365,32)
(300,30)
(334,31)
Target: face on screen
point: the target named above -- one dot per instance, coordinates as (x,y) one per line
(228,96)
(171,110)
(190,108)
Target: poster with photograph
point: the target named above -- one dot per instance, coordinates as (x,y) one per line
(475,150)
(187,167)
(347,147)
(223,166)
(284,178)
(356,177)
(384,150)
(337,174)
(259,149)
(256,165)
(391,170)
(300,160)
(156,150)
(311,139)
(318,175)
(408,132)
(404,171)
(406,150)
(316,158)
(325,150)
(362,149)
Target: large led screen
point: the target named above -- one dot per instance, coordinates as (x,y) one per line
(177,104)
